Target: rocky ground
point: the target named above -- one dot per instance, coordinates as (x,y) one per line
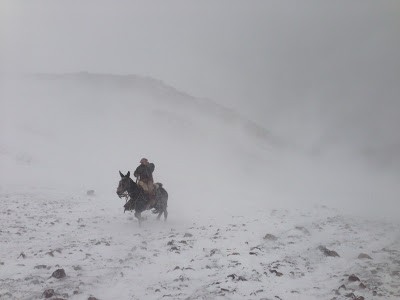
(75,246)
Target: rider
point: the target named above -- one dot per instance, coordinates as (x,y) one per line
(144,173)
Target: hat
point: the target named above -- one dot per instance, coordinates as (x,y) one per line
(143,160)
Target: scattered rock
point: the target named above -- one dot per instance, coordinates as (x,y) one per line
(48,293)
(303,230)
(279,274)
(364,256)
(188,234)
(59,273)
(92,298)
(328,252)
(270,237)
(214,251)
(362,286)
(90,193)
(236,277)
(22,254)
(353,278)
(40,267)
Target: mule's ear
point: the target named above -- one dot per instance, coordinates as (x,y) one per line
(122,175)
(128,174)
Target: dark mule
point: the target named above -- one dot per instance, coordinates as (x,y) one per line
(138,200)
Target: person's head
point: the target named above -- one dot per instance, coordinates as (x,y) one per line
(144,161)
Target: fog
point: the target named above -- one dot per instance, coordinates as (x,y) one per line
(240,106)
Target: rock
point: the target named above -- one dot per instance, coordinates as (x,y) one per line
(237,278)
(364,256)
(188,234)
(362,286)
(59,273)
(90,193)
(214,251)
(279,274)
(328,252)
(48,293)
(92,298)
(270,237)
(40,267)
(303,229)
(353,278)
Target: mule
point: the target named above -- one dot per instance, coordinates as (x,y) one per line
(138,199)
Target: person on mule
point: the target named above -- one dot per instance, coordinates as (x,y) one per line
(144,174)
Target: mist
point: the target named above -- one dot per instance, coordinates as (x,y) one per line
(264,104)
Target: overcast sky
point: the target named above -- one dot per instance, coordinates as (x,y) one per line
(273,60)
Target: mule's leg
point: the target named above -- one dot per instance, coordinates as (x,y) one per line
(159,215)
(139,217)
(165,214)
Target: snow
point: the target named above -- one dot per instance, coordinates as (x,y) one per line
(232,188)
(107,255)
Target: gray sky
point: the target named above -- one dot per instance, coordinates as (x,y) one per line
(321,62)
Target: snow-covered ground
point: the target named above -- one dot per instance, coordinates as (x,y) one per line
(264,254)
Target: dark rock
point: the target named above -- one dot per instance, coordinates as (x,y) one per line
(188,234)
(90,193)
(279,274)
(353,278)
(362,286)
(213,251)
(92,298)
(48,293)
(328,252)
(364,256)
(270,237)
(303,229)
(59,273)
(237,278)
(40,267)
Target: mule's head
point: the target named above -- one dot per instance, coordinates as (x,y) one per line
(124,184)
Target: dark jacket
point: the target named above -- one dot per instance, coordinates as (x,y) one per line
(145,172)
